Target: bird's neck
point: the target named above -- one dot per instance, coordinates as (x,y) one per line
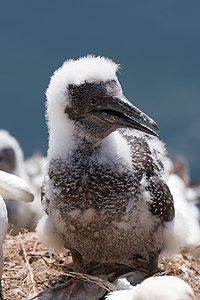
(76,147)
(70,141)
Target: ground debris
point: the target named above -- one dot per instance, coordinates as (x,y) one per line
(31,270)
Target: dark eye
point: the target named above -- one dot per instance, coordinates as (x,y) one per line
(93,100)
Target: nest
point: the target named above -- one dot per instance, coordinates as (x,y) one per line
(32,272)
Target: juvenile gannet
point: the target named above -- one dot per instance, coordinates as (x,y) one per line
(104,192)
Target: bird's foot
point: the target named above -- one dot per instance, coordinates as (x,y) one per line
(77,261)
(74,291)
(83,291)
(153,265)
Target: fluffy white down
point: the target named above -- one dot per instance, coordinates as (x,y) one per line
(90,69)
(156,288)
(115,146)
(185,226)
(49,236)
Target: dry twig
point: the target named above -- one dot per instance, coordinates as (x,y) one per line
(28,265)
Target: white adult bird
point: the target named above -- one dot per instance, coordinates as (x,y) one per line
(11,187)
(155,288)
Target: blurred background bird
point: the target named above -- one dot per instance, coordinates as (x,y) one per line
(186,198)
(21,215)
(11,187)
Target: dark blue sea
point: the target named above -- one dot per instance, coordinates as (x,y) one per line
(156,42)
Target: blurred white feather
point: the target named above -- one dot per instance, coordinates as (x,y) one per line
(155,288)
(185,196)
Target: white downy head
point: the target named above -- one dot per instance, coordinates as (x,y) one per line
(85,99)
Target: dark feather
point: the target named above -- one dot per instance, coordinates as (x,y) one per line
(161,201)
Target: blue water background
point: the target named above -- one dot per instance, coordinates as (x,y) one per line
(156,42)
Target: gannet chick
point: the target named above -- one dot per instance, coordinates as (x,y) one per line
(11,187)
(20,215)
(156,288)
(104,191)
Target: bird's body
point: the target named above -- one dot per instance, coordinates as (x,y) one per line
(96,200)
(104,190)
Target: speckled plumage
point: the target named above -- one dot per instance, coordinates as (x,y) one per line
(104,190)
(101,205)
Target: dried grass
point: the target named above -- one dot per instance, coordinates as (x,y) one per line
(30,269)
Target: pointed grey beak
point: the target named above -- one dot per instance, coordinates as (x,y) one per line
(122,113)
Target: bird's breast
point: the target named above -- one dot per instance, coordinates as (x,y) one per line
(97,207)
(101,187)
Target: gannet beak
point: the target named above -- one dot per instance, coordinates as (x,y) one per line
(14,187)
(122,113)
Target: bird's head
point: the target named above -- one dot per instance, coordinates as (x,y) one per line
(7,153)
(85,94)
(11,155)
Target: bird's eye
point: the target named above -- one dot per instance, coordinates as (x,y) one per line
(93,100)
